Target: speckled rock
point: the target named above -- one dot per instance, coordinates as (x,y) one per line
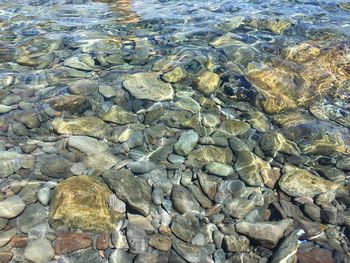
(81,202)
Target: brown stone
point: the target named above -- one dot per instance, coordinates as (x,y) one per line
(72,241)
(5,257)
(315,255)
(102,241)
(160,242)
(307,72)
(19,241)
(82,202)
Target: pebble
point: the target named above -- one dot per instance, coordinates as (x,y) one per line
(39,251)
(11,207)
(44,195)
(71,241)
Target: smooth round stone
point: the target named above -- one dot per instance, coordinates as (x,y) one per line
(56,167)
(141,167)
(147,86)
(137,239)
(29,192)
(325,198)
(39,251)
(208,82)
(157,196)
(44,195)
(118,256)
(5,236)
(118,115)
(188,104)
(176,159)
(160,242)
(219,169)
(27,117)
(183,200)
(186,143)
(175,75)
(5,109)
(11,207)
(87,145)
(16,186)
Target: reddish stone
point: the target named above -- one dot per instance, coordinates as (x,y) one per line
(19,241)
(72,241)
(315,255)
(5,257)
(102,241)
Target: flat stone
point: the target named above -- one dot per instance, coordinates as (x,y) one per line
(29,192)
(118,256)
(183,200)
(124,184)
(236,243)
(81,202)
(87,145)
(118,115)
(234,127)
(314,255)
(44,195)
(35,248)
(148,86)
(208,82)
(185,228)
(11,207)
(88,125)
(141,222)
(191,253)
(32,216)
(91,256)
(71,103)
(82,62)
(219,169)
(249,166)
(141,166)
(207,154)
(56,166)
(288,247)
(28,117)
(188,104)
(102,161)
(186,143)
(239,207)
(267,233)
(160,242)
(71,241)
(297,182)
(5,236)
(137,239)
(175,75)
(83,87)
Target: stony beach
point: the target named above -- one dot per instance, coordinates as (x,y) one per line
(174,131)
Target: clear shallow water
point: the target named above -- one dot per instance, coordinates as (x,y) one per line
(92,87)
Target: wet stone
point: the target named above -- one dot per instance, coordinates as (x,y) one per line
(219,169)
(81,202)
(35,248)
(11,207)
(160,242)
(33,215)
(89,125)
(87,145)
(56,167)
(208,82)
(298,182)
(207,154)
(137,239)
(71,241)
(124,184)
(118,115)
(147,86)
(183,200)
(186,143)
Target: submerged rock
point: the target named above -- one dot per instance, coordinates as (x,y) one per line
(207,154)
(89,125)
(132,190)
(303,77)
(208,82)
(11,207)
(118,115)
(275,25)
(298,182)
(267,233)
(147,86)
(249,167)
(186,143)
(81,202)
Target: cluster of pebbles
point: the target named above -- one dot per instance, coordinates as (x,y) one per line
(130,149)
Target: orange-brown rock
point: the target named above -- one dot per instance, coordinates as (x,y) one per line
(19,241)
(102,241)
(72,241)
(5,257)
(81,202)
(306,72)
(315,255)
